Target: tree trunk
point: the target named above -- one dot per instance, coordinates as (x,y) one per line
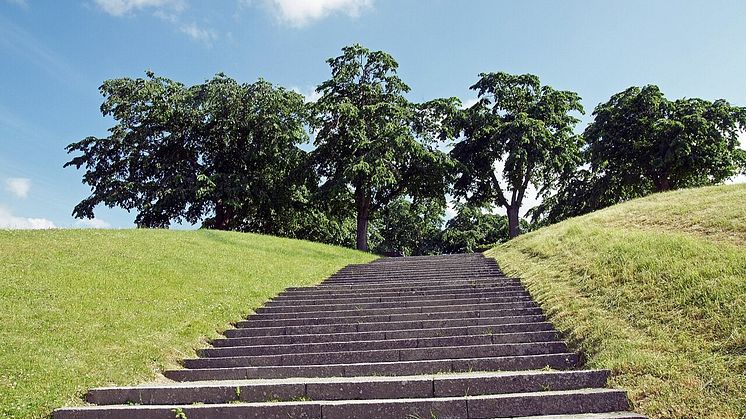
(662,185)
(362,202)
(222,216)
(514,228)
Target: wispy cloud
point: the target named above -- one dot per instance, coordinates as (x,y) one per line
(127,7)
(20,42)
(299,13)
(92,223)
(170,11)
(10,221)
(198,33)
(18,186)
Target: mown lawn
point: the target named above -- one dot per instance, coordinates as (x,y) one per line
(653,289)
(84,308)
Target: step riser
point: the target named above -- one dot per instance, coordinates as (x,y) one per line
(415,282)
(387,279)
(554,361)
(456,291)
(414,273)
(373,390)
(480,407)
(409,285)
(269,314)
(372,327)
(261,321)
(300,308)
(382,335)
(380,344)
(289,301)
(384,355)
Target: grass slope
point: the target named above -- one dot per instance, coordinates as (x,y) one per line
(88,308)
(653,289)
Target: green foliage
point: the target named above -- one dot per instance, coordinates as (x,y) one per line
(88,308)
(525,128)
(640,143)
(473,228)
(220,150)
(371,142)
(644,142)
(653,290)
(408,228)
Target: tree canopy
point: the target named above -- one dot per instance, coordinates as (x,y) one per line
(220,152)
(230,155)
(371,142)
(520,129)
(642,141)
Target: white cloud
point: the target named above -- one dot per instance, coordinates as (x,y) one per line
(199,34)
(300,13)
(18,186)
(10,221)
(167,10)
(92,223)
(125,7)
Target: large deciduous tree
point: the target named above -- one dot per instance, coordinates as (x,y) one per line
(220,152)
(370,141)
(643,142)
(519,133)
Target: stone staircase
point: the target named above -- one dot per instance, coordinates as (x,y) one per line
(417,337)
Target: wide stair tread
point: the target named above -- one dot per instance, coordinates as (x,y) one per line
(446,336)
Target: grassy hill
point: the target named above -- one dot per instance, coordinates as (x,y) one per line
(653,289)
(83,308)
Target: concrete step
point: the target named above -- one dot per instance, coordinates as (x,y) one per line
(562,402)
(383,335)
(378,288)
(269,320)
(374,271)
(381,355)
(350,388)
(557,361)
(411,291)
(269,313)
(483,319)
(420,281)
(290,300)
(404,277)
(358,345)
(295,307)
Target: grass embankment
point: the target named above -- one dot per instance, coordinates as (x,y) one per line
(84,308)
(653,289)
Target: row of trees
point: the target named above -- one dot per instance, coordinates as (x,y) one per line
(236,156)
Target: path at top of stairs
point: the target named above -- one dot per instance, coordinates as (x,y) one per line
(418,337)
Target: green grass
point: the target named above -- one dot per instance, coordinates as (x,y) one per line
(653,289)
(84,308)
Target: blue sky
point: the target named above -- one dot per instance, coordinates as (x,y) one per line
(55,54)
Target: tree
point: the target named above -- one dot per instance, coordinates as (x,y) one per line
(521,129)
(222,152)
(370,141)
(645,143)
(408,228)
